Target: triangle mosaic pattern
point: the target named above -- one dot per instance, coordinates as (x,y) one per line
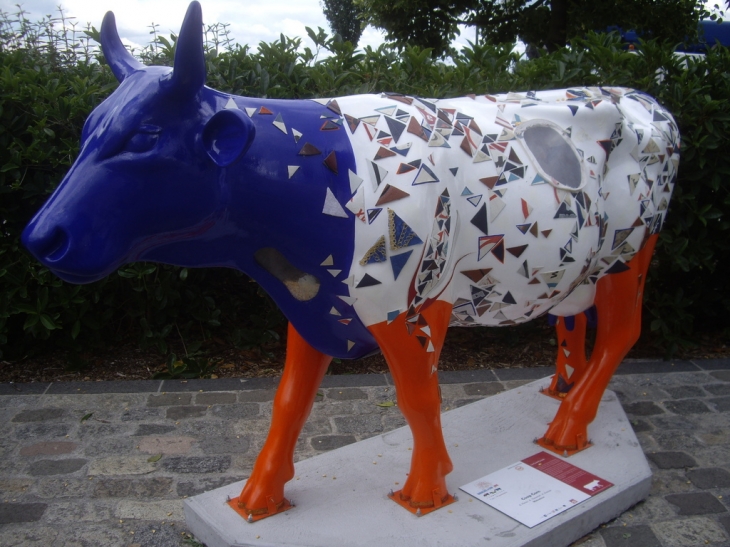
(499,204)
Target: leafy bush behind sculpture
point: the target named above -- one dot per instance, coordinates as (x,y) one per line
(50,81)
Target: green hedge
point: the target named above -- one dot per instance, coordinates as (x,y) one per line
(48,85)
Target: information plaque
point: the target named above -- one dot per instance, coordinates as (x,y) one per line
(537,488)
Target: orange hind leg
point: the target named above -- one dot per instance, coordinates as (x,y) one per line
(411,349)
(618,303)
(571,361)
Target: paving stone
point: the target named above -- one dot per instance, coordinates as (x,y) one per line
(166,445)
(66,487)
(713,456)
(359,425)
(195,464)
(725,521)
(640,426)
(156,535)
(696,503)
(215,398)
(483,389)
(186,489)
(718,389)
(330,442)
(76,511)
(92,535)
(49,448)
(676,440)
(723,375)
(43,468)
(8,485)
(714,436)
(21,512)
(154,487)
(225,444)
(108,446)
(722,404)
(141,414)
(316,426)
(30,536)
(686,406)
(671,460)
(685,392)
(39,415)
(150,510)
(629,536)
(169,399)
(686,532)
(185,412)
(653,509)
(643,408)
(235,412)
(707,478)
(665,422)
(153,429)
(258,396)
(96,431)
(35,431)
(670,481)
(346,394)
(122,465)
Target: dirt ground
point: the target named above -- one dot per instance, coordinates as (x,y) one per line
(528,345)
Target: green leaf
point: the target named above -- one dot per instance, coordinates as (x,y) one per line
(87,416)
(385,404)
(155,458)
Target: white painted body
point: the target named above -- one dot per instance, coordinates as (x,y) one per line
(625,195)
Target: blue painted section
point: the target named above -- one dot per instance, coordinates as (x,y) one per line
(168,174)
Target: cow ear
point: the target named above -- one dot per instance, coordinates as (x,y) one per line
(227,135)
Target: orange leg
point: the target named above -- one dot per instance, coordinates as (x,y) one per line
(263,494)
(412,349)
(618,302)
(571,360)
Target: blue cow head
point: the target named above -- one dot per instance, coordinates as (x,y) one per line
(149,173)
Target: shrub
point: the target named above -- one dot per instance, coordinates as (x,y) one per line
(51,80)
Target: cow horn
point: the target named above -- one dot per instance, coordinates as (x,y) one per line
(121,61)
(188,73)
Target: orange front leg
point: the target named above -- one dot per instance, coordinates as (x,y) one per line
(618,303)
(411,346)
(263,494)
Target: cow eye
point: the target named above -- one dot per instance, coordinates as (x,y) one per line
(143,140)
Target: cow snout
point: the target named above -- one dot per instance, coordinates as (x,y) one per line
(49,246)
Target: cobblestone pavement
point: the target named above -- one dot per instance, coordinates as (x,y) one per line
(108,463)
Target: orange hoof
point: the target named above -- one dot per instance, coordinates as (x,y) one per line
(420,508)
(252,515)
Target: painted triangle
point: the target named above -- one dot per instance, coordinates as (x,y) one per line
(397,262)
(391,193)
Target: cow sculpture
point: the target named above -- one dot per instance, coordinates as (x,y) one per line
(375,222)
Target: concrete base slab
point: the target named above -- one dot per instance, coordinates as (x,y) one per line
(341,496)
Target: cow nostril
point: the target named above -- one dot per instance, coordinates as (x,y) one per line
(56,245)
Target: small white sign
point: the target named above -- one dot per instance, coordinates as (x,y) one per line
(537,488)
